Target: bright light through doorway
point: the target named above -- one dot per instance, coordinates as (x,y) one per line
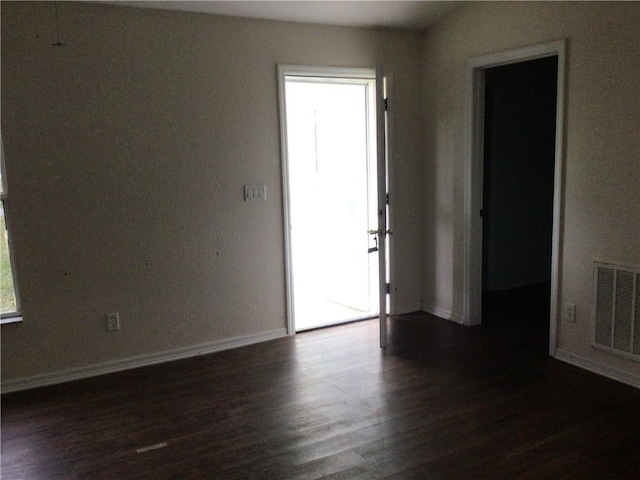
(332,196)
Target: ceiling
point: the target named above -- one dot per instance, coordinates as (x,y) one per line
(401,14)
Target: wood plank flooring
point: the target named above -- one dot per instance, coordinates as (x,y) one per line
(442,402)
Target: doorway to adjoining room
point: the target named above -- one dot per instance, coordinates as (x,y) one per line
(519,163)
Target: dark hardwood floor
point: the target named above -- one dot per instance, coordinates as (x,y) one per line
(442,402)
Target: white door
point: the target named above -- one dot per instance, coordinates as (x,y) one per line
(331,189)
(382,149)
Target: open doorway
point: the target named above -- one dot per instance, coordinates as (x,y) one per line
(476,259)
(518,183)
(331,190)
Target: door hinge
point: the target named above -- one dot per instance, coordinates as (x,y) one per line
(387,198)
(386,104)
(388,285)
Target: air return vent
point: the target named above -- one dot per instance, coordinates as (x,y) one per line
(617,309)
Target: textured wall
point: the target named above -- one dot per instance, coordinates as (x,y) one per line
(601,218)
(126,155)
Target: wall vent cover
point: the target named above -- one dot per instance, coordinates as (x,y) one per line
(617,309)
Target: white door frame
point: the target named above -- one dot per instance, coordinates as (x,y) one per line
(474,166)
(301,71)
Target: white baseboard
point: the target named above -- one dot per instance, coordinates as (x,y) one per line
(407,308)
(442,313)
(138,361)
(599,368)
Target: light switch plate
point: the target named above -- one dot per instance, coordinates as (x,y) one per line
(255,193)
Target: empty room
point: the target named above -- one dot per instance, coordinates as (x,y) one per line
(338,240)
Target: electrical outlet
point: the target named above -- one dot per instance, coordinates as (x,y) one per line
(570,312)
(113,322)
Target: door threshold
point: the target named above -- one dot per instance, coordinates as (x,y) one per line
(336,324)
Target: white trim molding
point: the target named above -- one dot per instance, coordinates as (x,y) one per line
(406,308)
(138,361)
(474,133)
(598,368)
(442,313)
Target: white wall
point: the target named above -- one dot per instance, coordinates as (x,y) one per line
(601,214)
(126,155)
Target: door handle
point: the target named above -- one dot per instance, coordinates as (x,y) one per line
(375,239)
(376,232)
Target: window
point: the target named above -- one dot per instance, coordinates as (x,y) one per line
(9,299)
